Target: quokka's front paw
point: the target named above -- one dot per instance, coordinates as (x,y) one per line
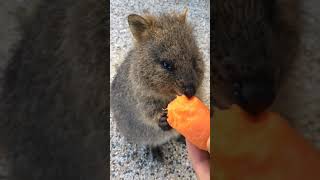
(163,123)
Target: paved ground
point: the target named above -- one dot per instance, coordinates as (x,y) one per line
(129,161)
(300,97)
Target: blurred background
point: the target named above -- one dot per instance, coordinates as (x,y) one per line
(299,99)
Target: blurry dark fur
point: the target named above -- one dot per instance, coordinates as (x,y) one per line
(54,96)
(256,41)
(164,62)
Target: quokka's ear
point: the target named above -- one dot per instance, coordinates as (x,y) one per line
(139,26)
(183,16)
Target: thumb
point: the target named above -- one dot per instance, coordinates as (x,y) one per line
(208,145)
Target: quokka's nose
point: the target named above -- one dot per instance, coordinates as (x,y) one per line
(254,97)
(189,90)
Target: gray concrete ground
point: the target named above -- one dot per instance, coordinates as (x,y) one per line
(129,161)
(299,99)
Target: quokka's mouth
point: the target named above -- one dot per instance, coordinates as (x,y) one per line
(178,92)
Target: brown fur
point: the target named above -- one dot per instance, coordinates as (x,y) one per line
(255,44)
(142,86)
(54,94)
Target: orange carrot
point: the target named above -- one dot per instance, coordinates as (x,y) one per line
(261,147)
(191,118)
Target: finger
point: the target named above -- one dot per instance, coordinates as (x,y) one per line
(199,160)
(208,145)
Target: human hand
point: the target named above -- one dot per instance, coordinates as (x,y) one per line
(200,160)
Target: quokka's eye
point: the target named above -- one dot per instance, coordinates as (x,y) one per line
(167,65)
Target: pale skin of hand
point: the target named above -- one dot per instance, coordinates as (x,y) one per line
(200,160)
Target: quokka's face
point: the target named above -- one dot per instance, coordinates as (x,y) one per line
(253,43)
(170,61)
(251,82)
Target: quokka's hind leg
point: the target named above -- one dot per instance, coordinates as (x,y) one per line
(155,153)
(181,139)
